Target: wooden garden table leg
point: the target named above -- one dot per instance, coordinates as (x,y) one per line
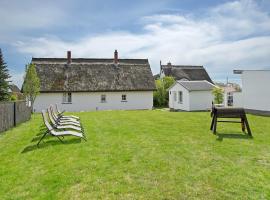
(247,125)
(243,124)
(215,125)
(212,123)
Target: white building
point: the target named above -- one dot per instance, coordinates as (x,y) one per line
(255,95)
(84,84)
(230,90)
(191,95)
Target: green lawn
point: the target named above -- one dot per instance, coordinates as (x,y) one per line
(138,155)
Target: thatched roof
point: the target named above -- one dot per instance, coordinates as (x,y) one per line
(92,75)
(191,73)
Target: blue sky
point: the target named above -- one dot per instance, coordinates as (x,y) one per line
(220,35)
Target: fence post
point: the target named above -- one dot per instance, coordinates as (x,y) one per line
(14,107)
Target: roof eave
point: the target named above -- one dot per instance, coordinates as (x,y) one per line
(62,91)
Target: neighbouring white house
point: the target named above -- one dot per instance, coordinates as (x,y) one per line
(255,95)
(191,95)
(84,84)
(231,90)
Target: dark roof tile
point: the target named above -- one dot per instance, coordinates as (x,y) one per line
(191,73)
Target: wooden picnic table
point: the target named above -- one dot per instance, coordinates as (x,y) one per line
(229,112)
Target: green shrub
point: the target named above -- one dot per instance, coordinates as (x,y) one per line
(218,95)
(161,95)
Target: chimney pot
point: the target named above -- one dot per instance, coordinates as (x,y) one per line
(115,57)
(68,57)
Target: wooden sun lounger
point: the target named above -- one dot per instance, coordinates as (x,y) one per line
(58,134)
(65,125)
(61,119)
(59,113)
(59,122)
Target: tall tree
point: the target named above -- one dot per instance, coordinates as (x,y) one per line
(31,85)
(4,76)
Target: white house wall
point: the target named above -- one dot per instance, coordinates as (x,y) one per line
(87,101)
(175,104)
(237,99)
(200,100)
(256,90)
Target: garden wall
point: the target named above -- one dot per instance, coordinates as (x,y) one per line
(13,113)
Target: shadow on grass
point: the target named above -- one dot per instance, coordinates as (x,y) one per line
(33,146)
(221,136)
(42,145)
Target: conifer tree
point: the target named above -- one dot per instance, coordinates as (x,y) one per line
(4,76)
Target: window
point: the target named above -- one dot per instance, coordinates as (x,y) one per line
(67,97)
(103,98)
(175,96)
(124,97)
(230,99)
(180,97)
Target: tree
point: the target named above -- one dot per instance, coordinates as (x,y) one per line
(168,81)
(4,76)
(218,95)
(161,95)
(31,85)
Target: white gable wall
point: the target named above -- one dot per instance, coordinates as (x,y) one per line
(87,101)
(237,99)
(176,104)
(192,100)
(200,100)
(255,90)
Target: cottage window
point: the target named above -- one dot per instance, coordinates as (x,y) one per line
(103,98)
(124,97)
(67,97)
(180,97)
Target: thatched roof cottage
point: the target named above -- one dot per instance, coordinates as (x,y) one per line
(80,84)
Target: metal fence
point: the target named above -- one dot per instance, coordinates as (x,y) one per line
(13,113)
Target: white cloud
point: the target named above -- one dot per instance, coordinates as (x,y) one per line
(30,14)
(17,78)
(234,34)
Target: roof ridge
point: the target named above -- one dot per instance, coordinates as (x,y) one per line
(39,58)
(182,65)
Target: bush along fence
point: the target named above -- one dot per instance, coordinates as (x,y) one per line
(13,113)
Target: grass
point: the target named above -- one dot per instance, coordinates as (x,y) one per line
(138,155)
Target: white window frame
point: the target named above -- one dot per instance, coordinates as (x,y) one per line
(67,98)
(180,97)
(124,99)
(103,98)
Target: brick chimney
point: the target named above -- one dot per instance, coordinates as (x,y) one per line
(115,57)
(68,57)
